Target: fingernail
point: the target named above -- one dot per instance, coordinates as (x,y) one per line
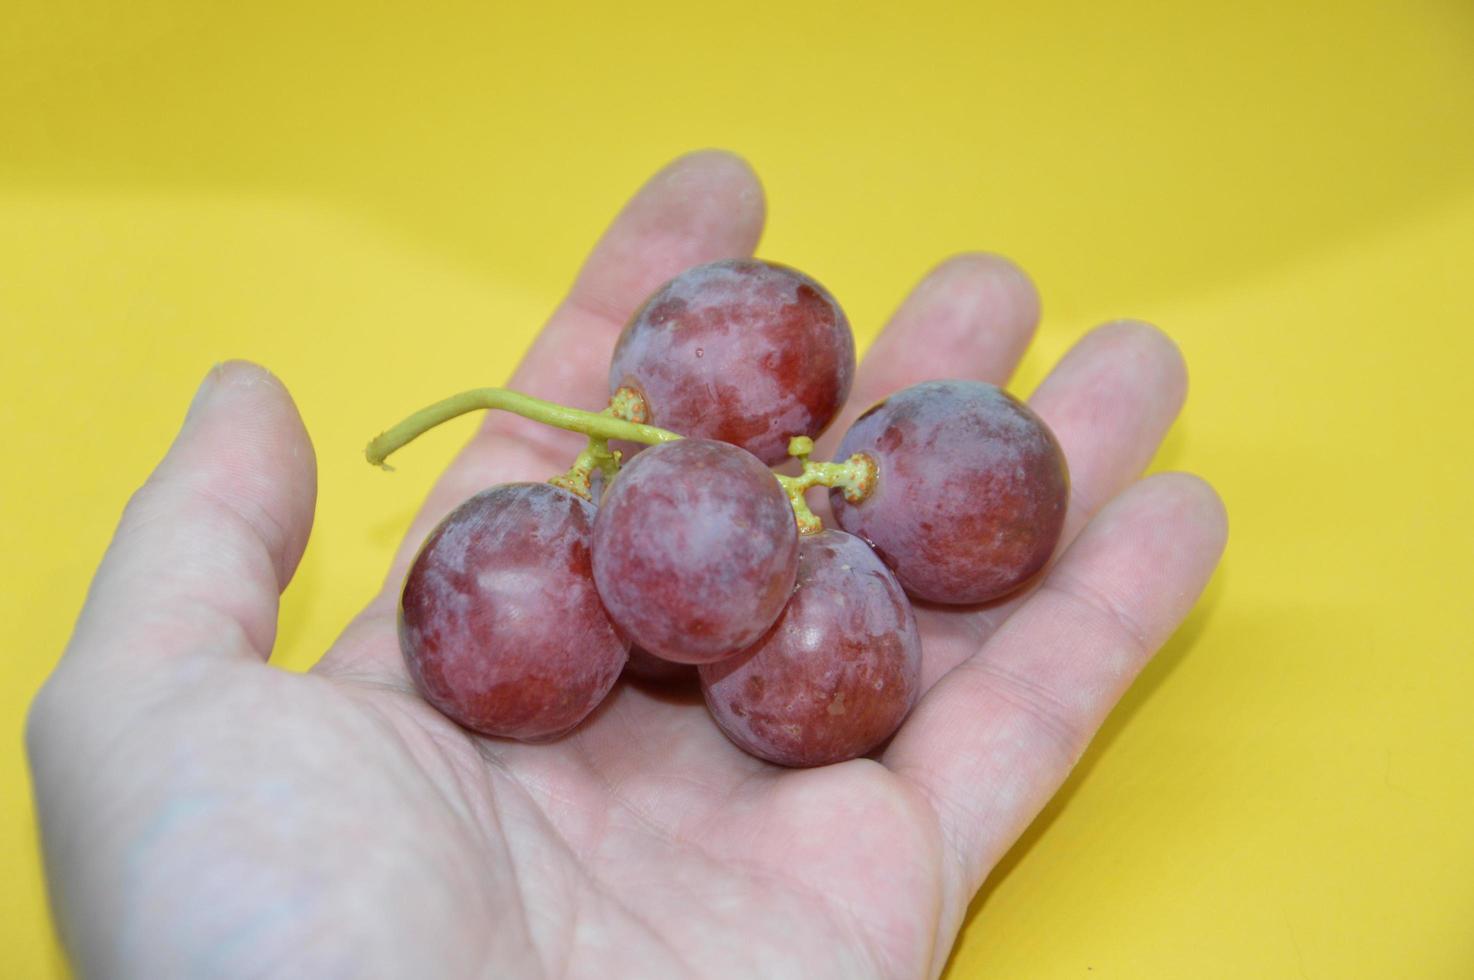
(202,393)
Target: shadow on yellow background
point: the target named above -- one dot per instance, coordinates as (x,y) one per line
(382,203)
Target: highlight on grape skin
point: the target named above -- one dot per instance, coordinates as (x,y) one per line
(695,550)
(837,673)
(970,497)
(743,351)
(500,623)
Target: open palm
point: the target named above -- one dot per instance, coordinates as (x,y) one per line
(203,813)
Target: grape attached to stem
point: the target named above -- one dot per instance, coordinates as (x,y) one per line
(695,550)
(500,623)
(744,351)
(835,675)
(970,490)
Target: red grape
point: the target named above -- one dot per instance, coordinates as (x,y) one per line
(744,351)
(695,550)
(970,495)
(500,623)
(835,675)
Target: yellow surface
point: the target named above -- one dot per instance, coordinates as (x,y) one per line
(381,205)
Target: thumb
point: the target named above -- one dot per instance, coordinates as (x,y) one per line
(206,545)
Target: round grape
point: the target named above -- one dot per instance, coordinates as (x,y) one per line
(835,675)
(969,499)
(695,550)
(500,623)
(744,351)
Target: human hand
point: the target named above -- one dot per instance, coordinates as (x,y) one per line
(203,813)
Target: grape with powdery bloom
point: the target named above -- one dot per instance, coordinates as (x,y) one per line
(742,351)
(695,550)
(519,611)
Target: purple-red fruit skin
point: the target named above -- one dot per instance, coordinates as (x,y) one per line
(695,550)
(500,623)
(743,351)
(837,673)
(971,492)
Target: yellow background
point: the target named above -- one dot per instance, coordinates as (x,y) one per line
(382,204)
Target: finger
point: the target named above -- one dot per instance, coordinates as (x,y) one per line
(971,317)
(700,208)
(995,738)
(1109,402)
(205,547)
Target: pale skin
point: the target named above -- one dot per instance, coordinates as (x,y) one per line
(204,813)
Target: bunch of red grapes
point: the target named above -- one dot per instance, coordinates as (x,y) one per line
(525,605)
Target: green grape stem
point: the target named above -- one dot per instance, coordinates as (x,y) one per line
(595,425)
(856,475)
(627,404)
